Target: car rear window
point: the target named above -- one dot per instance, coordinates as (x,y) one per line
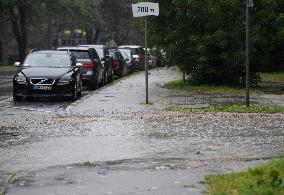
(79,54)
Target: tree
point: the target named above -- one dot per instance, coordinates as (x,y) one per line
(206,38)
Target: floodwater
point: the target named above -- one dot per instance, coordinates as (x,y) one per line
(127,146)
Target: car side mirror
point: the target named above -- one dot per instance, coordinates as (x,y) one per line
(103,59)
(17,64)
(79,65)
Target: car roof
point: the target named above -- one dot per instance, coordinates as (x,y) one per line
(74,48)
(93,46)
(129,46)
(50,52)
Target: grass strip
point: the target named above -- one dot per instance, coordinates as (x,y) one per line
(266,179)
(206,89)
(272,77)
(8,68)
(228,108)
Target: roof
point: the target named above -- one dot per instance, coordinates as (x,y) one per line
(129,46)
(74,48)
(50,52)
(92,46)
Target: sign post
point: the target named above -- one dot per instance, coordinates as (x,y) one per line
(249,4)
(145,9)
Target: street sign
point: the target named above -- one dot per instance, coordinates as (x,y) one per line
(145,9)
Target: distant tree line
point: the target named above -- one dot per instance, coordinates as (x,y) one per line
(31,23)
(206,38)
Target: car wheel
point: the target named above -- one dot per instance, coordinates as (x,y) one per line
(17,98)
(106,78)
(74,96)
(93,83)
(120,73)
(79,93)
(110,78)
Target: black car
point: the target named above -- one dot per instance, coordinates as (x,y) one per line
(118,63)
(105,59)
(93,73)
(48,74)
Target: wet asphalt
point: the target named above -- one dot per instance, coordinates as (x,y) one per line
(110,142)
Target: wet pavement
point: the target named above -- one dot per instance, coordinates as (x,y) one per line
(110,142)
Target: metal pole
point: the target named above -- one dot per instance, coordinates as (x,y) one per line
(146,64)
(247,54)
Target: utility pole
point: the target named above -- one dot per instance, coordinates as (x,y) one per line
(146,62)
(249,4)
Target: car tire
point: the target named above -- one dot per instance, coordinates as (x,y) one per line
(110,77)
(106,77)
(93,83)
(120,73)
(17,98)
(74,96)
(79,93)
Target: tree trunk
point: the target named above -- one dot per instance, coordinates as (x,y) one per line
(49,30)
(89,35)
(3,41)
(96,37)
(19,27)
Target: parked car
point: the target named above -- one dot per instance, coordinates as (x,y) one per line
(93,73)
(137,53)
(105,59)
(129,60)
(48,73)
(118,63)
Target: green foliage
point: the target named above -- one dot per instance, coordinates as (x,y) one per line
(272,76)
(206,38)
(8,68)
(267,179)
(205,88)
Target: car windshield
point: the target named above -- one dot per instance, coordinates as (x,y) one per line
(47,60)
(100,53)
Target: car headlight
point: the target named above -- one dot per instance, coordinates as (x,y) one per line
(20,78)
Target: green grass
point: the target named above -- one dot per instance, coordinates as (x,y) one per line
(267,180)
(8,68)
(272,77)
(228,108)
(206,89)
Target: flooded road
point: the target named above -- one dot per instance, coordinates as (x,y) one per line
(110,142)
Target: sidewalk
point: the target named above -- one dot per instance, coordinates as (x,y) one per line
(127,95)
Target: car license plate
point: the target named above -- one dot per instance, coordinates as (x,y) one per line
(42,87)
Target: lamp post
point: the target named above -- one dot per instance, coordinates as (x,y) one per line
(249,4)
